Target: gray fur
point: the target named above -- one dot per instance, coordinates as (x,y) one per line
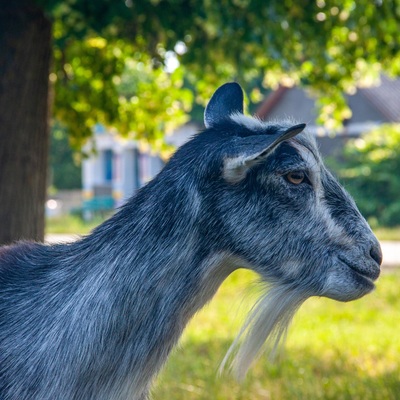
(97,319)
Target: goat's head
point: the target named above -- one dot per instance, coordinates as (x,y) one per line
(279,210)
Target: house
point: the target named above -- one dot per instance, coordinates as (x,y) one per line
(370,107)
(118,168)
(115,171)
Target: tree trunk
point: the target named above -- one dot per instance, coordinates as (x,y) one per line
(25,56)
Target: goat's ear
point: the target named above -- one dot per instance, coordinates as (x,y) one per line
(247,151)
(227,100)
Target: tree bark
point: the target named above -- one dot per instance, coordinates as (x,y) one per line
(25,57)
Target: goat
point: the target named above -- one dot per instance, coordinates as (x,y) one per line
(97,318)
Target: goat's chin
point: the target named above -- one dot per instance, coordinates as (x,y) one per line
(347,285)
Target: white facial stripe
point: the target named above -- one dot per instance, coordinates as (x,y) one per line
(334,230)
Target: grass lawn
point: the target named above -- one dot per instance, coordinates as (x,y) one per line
(71,224)
(388,233)
(333,351)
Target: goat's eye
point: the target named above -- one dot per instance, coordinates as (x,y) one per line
(295,177)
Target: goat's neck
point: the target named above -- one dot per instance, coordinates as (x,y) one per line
(163,281)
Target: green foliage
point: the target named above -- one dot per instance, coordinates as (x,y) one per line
(371,174)
(65,172)
(325,45)
(102,81)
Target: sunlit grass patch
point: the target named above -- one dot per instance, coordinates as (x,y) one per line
(388,233)
(333,351)
(71,224)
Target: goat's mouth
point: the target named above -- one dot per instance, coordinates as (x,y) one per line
(367,274)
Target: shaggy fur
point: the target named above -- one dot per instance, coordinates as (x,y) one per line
(97,318)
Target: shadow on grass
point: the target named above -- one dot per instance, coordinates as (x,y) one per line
(300,373)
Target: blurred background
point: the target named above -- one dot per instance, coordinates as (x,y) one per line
(96,95)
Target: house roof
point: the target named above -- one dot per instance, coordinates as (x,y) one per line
(385,97)
(382,102)
(270,101)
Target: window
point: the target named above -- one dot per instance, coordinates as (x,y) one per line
(108,165)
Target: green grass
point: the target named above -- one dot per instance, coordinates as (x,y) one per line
(71,224)
(333,351)
(388,233)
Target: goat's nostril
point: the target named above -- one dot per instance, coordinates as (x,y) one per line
(376,254)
